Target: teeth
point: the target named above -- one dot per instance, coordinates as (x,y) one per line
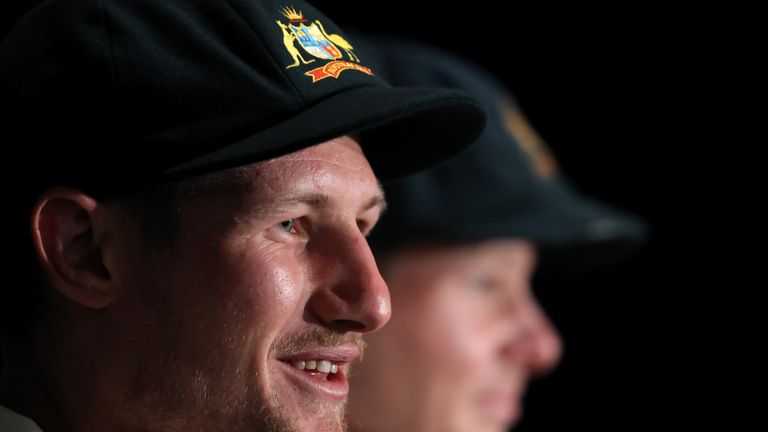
(323,366)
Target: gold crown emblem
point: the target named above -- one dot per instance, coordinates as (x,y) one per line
(293,15)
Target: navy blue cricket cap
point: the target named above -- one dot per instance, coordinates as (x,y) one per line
(507,185)
(112,95)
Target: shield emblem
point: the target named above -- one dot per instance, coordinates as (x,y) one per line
(314,42)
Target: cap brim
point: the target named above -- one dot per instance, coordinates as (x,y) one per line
(572,232)
(403,130)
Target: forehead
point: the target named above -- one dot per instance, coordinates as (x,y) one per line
(334,169)
(340,158)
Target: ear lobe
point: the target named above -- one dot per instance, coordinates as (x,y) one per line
(68,247)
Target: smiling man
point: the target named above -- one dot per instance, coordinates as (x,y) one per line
(190,249)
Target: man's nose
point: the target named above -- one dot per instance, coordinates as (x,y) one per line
(351,295)
(536,343)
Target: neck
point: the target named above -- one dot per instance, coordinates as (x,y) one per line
(23,389)
(55,379)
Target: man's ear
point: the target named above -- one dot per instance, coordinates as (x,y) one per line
(69,247)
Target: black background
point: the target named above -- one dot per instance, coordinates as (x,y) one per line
(644,109)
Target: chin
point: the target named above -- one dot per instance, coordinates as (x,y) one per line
(307,415)
(483,423)
(322,423)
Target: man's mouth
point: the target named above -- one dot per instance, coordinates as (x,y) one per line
(322,371)
(316,362)
(327,362)
(502,405)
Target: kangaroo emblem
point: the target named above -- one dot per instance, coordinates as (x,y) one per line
(288,39)
(340,42)
(313,40)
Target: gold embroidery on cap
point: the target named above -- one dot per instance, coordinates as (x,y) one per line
(288,39)
(315,41)
(517,125)
(340,41)
(334,69)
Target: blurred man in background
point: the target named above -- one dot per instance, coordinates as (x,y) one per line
(458,248)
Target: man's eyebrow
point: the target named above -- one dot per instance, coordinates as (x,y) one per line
(317,200)
(377,201)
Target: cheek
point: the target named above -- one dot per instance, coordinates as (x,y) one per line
(456,333)
(286,285)
(237,299)
(447,356)
(465,345)
(265,286)
(438,342)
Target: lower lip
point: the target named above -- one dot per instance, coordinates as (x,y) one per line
(333,387)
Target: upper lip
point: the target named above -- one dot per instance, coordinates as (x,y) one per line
(339,354)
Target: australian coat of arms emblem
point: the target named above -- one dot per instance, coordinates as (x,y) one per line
(314,43)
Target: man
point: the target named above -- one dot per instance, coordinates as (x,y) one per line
(458,249)
(190,225)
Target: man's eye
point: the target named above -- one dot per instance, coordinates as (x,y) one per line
(363,227)
(481,283)
(288,225)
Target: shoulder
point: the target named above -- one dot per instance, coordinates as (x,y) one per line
(11,421)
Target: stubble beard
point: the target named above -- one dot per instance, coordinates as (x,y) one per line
(166,394)
(179,401)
